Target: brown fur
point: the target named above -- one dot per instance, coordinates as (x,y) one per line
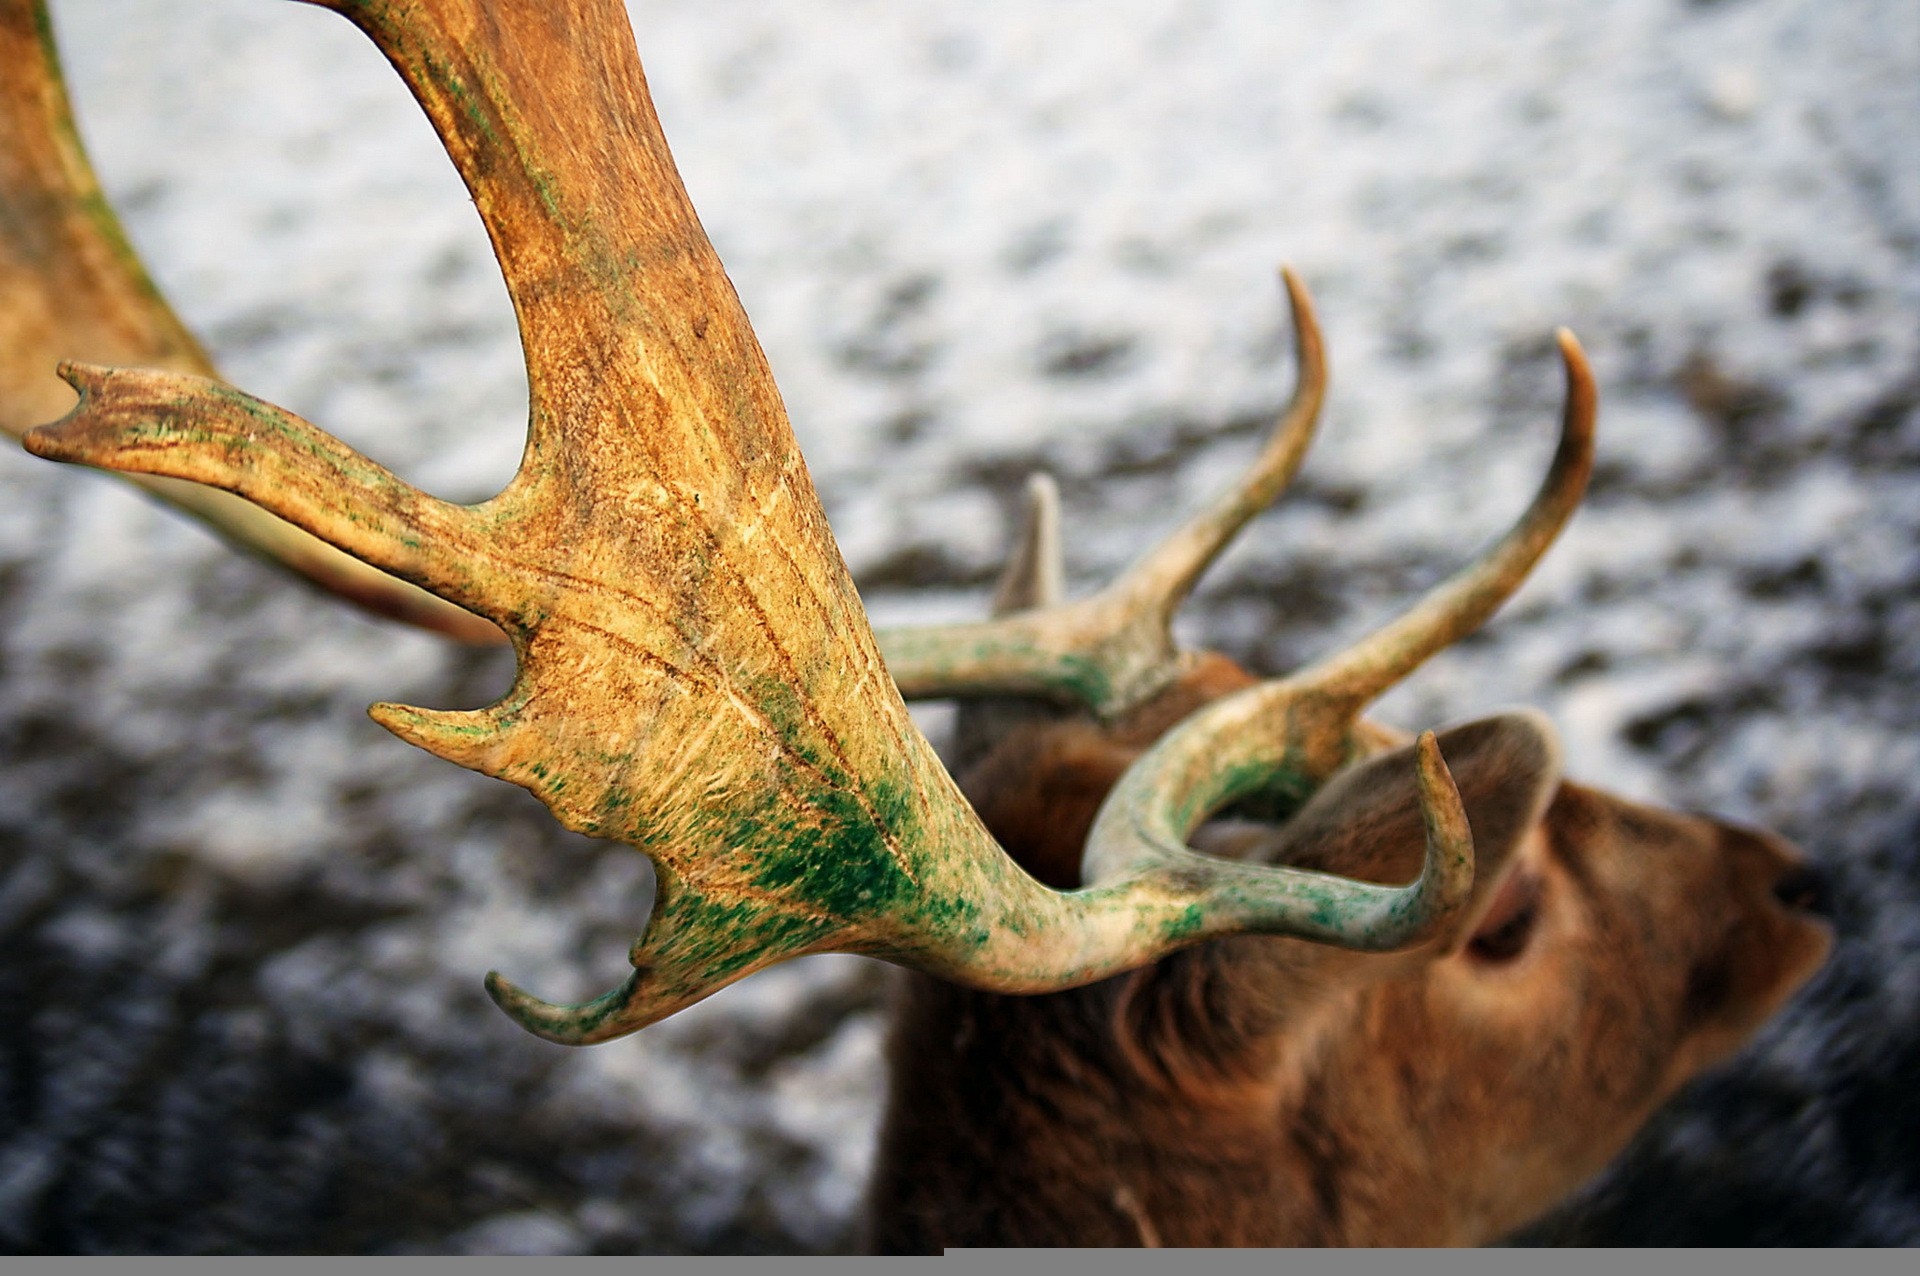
(1270,1092)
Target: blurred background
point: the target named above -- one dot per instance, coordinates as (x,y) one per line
(242,929)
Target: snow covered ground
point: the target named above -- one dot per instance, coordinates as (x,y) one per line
(242,929)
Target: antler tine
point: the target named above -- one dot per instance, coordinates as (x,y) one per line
(1114,649)
(1036,571)
(1034,576)
(1161,581)
(1143,828)
(75,289)
(1330,695)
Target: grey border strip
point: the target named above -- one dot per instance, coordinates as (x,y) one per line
(1093,1262)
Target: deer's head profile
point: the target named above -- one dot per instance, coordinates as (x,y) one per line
(1287,962)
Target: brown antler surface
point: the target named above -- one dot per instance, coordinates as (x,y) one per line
(696,675)
(71,287)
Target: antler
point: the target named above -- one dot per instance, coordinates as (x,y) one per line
(1285,737)
(1280,739)
(696,676)
(72,287)
(1115,649)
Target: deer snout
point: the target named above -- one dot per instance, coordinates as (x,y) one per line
(1805,888)
(1778,868)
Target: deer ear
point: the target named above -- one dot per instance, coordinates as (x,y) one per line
(1366,822)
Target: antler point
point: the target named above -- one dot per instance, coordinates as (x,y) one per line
(603,1018)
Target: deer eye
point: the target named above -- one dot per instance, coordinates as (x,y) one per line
(1510,923)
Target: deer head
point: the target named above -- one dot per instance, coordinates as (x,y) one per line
(697,679)
(1259,1091)
(1277,1092)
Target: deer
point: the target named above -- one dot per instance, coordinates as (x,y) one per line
(1190,956)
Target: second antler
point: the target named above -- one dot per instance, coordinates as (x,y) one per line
(696,675)
(71,287)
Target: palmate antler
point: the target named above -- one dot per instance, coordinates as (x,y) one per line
(696,675)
